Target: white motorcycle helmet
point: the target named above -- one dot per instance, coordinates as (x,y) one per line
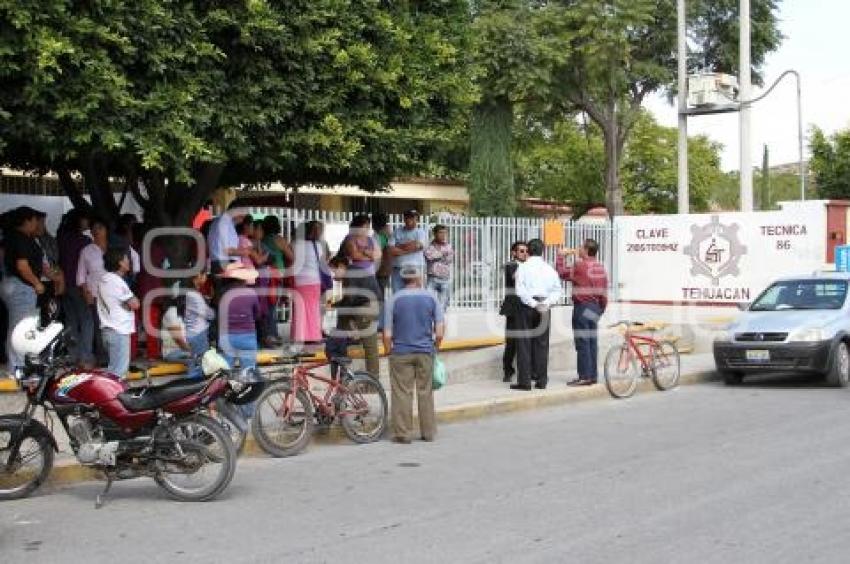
(28,339)
(212,362)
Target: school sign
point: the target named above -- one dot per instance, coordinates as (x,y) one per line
(721,257)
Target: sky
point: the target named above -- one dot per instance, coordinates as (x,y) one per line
(817,44)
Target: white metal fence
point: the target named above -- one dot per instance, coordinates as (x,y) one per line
(481,244)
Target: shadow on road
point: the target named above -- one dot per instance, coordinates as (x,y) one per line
(782,381)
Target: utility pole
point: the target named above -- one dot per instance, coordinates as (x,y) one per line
(744,115)
(765,180)
(683,183)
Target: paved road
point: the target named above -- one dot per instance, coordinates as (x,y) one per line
(701,474)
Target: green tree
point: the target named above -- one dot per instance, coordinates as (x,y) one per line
(516,44)
(623,50)
(567,163)
(173,99)
(650,168)
(563,162)
(602,58)
(830,163)
(784,187)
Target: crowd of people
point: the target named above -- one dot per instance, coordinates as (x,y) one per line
(111,291)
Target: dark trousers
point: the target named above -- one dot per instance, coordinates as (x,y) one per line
(511,326)
(585,325)
(533,347)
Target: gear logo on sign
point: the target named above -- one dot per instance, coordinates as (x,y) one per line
(715,250)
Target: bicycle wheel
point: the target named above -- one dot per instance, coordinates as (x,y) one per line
(283,420)
(364,409)
(32,463)
(621,372)
(665,365)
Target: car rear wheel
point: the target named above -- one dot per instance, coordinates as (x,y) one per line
(839,369)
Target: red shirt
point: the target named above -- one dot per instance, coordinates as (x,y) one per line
(590,282)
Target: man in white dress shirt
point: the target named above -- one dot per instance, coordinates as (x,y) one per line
(539,288)
(223,241)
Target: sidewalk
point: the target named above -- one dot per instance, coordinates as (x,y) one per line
(481,331)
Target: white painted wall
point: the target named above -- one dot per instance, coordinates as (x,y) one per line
(695,257)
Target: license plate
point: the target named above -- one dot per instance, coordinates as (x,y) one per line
(758,356)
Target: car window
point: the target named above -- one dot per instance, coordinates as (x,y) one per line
(802,294)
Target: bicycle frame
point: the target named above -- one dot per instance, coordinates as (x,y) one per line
(634,342)
(301,376)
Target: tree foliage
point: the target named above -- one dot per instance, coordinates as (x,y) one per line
(516,45)
(830,163)
(185,96)
(778,187)
(567,163)
(603,57)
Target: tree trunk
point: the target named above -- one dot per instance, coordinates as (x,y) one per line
(491,177)
(613,152)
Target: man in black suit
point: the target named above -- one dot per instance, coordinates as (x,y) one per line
(511,307)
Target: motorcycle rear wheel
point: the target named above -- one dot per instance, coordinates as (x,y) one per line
(32,464)
(200,436)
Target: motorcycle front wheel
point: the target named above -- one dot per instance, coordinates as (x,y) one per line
(23,472)
(206,465)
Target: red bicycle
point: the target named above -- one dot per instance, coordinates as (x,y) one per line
(288,410)
(658,360)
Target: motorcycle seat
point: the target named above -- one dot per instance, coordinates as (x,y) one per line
(152,397)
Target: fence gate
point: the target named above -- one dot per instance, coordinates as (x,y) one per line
(481,244)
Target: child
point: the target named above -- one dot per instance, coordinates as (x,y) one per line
(187,322)
(197,317)
(115,307)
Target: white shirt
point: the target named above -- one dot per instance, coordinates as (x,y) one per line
(90,267)
(536,277)
(222,237)
(135,261)
(306,267)
(171,321)
(111,295)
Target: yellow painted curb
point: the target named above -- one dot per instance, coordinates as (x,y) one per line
(8,385)
(265,358)
(720,320)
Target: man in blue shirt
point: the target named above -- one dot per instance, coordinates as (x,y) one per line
(406,245)
(413,331)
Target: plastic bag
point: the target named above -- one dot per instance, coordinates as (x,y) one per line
(440,374)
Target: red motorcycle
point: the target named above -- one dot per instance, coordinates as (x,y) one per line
(158,431)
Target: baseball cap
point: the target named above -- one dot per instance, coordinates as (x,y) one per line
(412,212)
